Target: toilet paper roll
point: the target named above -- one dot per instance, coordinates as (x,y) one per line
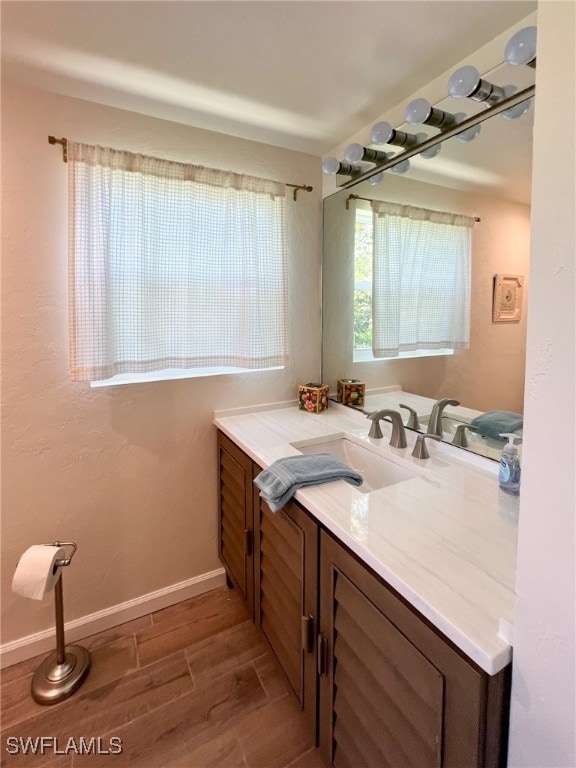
(35,573)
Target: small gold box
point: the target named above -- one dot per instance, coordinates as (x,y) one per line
(313,397)
(351,392)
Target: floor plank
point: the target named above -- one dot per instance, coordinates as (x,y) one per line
(191,686)
(217,655)
(182,628)
(186,725)
(274,736)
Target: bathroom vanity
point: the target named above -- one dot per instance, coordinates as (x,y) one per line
(382,607)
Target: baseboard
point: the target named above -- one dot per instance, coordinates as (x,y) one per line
(43,642)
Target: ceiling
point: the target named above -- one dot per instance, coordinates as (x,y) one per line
(300,74)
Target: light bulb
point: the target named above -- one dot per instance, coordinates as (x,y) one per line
(463,82)
(331,166)
(355,153)
(466,83)
(421,111)
(418,111)
(519,109)
(431,152)
(376,179)
(521,48)
(400,168)
(383,133)
(470,133)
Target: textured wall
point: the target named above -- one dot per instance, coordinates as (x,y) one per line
(543,726)
(129,472)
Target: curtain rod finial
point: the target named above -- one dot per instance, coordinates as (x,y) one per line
(64,142)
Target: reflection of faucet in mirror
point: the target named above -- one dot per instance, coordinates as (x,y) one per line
(460,438)
(398,438)
(435,422)
(412,422)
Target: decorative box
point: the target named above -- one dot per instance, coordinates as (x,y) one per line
(313,397)
(351,392)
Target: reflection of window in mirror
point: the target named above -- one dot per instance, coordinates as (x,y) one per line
(363,283)
(411,282)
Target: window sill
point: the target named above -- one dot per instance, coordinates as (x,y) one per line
(168,374)
(366,356)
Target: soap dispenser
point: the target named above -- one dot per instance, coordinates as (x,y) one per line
(509,474)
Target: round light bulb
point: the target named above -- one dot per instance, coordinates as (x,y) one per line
(519,109)
(376,179)
(400,168)
(381,133)
(417,111)
(330,166)
(431,152)
(469,134)
(464,82)
(521,48)
(354,153)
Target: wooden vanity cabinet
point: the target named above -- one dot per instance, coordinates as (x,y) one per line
(286,594)
(393,691)
(235,518)
(381,686)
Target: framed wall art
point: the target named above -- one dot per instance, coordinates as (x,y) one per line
(507,300)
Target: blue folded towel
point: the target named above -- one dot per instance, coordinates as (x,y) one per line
(493,423)
(284,476)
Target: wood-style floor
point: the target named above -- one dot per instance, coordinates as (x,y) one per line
(190,686)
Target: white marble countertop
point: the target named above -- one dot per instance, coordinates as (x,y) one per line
(444,539)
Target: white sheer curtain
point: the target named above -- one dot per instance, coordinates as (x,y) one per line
(172,265)
(421,279)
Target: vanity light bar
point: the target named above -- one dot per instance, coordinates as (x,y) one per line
(514,100)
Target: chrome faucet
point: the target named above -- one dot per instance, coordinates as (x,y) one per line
(435,422)
(398,438)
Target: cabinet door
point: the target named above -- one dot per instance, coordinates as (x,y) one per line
(286,561)
(393,692)
(235,518)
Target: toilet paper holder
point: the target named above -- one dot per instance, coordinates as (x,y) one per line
(65,669)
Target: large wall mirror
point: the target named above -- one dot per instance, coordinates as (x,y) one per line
(487,179)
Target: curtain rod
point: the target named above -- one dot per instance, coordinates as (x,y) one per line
(64,143)
(371,200)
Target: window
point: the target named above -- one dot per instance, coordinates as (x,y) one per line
(412,282)
(173,266)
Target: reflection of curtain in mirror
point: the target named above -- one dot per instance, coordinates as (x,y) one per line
(421,279)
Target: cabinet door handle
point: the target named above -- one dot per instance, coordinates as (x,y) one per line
(307,630)
(321,655)
(247,542)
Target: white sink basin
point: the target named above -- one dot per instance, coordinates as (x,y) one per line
(377,470)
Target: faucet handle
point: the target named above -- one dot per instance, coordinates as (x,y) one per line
(412,422)
(420,450)
(375,430)
(460,435)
